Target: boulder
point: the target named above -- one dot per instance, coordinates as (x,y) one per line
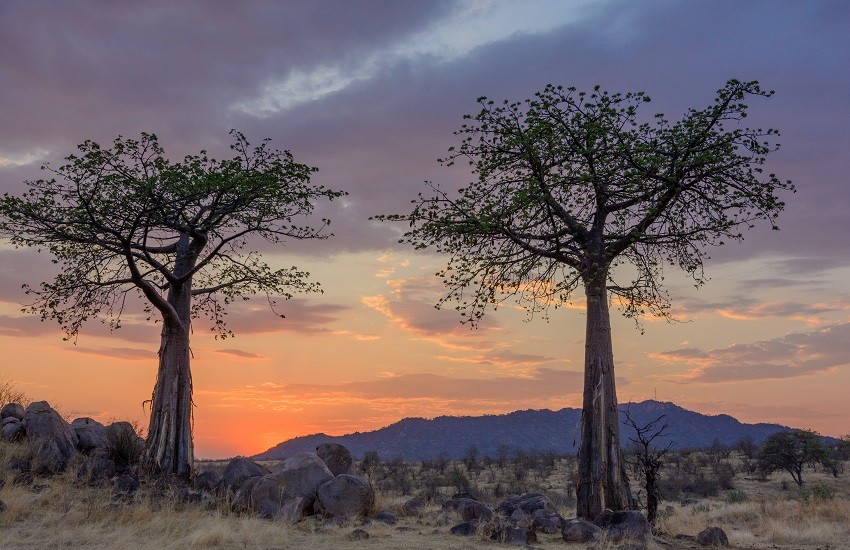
(520,536)
(547,522)
(206,481)
(53,441)
(236,472)
(624,525)
(297,476)
(294,509)
(300,475)
(347,496)
(241,500)
(12,410)
(337,458)
(91,436)
(468,508)
(581,530)
(12,429)
(713,536)
(528,503)
(465,529)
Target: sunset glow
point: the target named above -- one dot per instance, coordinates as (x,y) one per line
(370,93)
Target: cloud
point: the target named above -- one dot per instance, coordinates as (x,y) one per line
(129,354)
(792,355)
(506,391)
(9,159)
(467,26)
(240,353)
(751,309)
(302,317)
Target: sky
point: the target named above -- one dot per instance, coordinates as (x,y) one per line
(370,93)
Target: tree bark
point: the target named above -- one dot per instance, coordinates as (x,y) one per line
(169,447)
(601,469)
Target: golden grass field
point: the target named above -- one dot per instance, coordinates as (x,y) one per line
(59,512)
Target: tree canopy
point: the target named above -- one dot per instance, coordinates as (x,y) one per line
(573,183)
(790,451)
(113,218)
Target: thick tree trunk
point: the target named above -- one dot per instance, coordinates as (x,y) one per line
(601,469)
(169,444)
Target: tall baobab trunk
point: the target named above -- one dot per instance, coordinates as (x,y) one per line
(601,469)
(169,444)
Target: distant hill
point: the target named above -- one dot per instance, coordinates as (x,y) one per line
(542,430)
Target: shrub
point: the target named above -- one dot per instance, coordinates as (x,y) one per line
(733,497)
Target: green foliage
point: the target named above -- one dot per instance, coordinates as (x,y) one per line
(126,220)
(790,451)
(569,185)
(736,496)
(817,491)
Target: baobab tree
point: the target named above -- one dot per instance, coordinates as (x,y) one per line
(125,221)
(574,189)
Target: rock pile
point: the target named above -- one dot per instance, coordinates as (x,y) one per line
(304,484)
(106,450)
(519,518)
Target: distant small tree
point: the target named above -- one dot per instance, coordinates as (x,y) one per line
(471,459)
(747,447)
(370,464)
(790,451)
(442,461)
(649,456)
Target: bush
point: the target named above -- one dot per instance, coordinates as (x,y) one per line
(124,446)
(733,497)
(817,491)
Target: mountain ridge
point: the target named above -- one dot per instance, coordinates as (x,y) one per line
(416,438)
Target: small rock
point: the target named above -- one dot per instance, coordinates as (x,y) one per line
(357,534)
(468,508)
(465,529)
(12,429)
(580,530)
(3,506)
(713,536)
(413,505)
(520,536)
(548,523)
(12,410)
(385,517)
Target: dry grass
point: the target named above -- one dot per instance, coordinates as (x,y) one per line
(60,513)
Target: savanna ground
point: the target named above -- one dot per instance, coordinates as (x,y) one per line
(705,488)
